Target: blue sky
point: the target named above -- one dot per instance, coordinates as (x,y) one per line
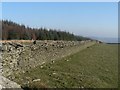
(98,19)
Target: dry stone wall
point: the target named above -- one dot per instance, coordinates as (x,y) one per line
(4,82)
(17,57)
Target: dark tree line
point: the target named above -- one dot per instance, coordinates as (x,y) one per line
(14,31)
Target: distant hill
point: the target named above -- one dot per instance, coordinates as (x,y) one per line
(106,40)
(14,31)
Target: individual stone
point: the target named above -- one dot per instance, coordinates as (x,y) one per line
(36,80)
(6,83)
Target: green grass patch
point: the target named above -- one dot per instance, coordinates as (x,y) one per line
(93,67)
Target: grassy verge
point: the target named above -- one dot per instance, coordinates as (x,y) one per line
(93,67)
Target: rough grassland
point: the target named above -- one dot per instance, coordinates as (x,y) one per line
(93,67)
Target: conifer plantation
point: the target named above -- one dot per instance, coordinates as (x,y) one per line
(14,31)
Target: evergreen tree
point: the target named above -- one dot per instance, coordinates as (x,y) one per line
(12,30)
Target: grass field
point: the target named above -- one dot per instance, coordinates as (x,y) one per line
(93,67)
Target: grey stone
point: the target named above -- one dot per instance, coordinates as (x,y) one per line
(6,83)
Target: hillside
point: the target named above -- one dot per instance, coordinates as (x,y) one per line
(57,59)
(20,57)
(93,67)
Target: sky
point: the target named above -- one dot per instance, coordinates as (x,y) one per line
(59,0)
(91,19)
